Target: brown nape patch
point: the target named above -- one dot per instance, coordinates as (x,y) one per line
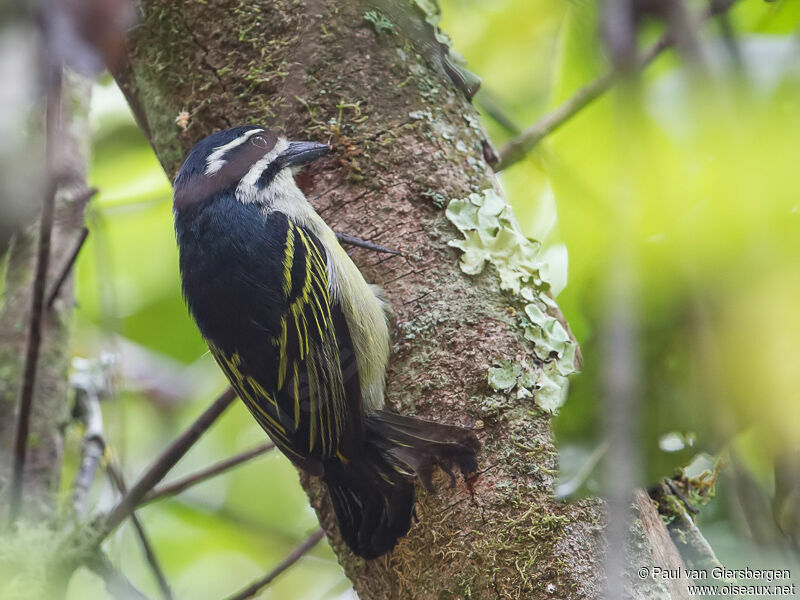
(203,186)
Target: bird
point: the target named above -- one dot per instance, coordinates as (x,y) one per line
(300,335)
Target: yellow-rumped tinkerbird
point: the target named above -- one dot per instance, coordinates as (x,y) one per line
(300,335)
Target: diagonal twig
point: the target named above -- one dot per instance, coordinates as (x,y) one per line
(163,464)
(67,266)
(117,584)
(118,482)
(37,304)
(176,487)
(296,554)
(516,149)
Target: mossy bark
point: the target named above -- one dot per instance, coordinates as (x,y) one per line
(406,140)
(50,414)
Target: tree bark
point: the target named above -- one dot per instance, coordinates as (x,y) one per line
(375,79)
(50,413)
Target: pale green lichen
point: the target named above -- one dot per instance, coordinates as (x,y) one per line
(545,385)
(380,23)
(492,235)
(504,376)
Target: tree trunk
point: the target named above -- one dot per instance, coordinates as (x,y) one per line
(375,80)
(50,413)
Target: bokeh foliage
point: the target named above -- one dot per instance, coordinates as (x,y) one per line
(693,174)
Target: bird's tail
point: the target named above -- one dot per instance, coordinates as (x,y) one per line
(373,494)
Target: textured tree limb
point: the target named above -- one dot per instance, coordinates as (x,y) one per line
(665,554)
(163,464)
(688,538)
(295,555)
(118,482)
(37,304)
(516,149)
(176,487)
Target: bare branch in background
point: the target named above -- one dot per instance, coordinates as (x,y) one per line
(618,26)
(93,447)
(517,148)
(176,487)
(163,464)
(66,268)
(118,482)
(37,305)
(494,108)
(621,401)
(296,554)
(117,584)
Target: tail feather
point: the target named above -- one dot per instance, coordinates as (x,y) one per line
(373,494)
(373,504)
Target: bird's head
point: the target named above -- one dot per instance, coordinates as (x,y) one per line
(252,161)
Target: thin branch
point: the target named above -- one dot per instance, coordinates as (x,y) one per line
(37,304)
(517,148)
(117,584)
(93,448)
(118,482)
(67,266)
(176,487)
(163,464)
(259,584)
(493,107)
(355,241)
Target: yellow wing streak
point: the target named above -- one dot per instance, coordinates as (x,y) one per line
(282,353)
(328,348)
(312,409)
(288,260)
(296,397)
(230,366)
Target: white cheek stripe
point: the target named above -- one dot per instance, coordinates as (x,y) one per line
(247,191)
(214,161)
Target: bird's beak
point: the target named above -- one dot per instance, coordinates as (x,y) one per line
(302,153)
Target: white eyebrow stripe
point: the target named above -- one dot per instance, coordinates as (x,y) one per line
(214,161)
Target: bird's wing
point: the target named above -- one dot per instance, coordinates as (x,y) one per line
(306,392)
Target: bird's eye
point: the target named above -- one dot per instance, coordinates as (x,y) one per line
(259,141)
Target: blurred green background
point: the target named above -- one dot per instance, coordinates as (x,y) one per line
(693,178)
